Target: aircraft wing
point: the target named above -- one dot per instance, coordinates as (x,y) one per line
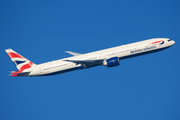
(86,62)
(73,53)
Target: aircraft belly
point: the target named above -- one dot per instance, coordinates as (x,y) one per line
(64,70)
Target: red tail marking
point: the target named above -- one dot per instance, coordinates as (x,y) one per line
(26,66)
(14,55)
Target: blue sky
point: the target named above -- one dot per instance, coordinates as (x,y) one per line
(141,88)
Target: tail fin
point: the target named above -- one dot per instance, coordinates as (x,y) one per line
(20,62)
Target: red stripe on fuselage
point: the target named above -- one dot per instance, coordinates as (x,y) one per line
(157,42)
(14,55)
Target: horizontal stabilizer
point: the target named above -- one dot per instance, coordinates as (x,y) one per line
(73,53)
(12,71)
(19,74)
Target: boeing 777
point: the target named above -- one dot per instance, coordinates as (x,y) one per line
(110,57)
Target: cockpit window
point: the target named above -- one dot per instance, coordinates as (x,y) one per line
(169,40)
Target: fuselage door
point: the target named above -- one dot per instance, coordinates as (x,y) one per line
(41,70)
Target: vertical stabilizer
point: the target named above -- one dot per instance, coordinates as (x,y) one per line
(20,62)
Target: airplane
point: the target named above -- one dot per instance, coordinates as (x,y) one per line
(110,57)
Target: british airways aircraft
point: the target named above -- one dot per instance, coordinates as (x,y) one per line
(110,57)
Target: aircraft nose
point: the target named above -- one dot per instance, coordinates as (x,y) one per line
(173,42)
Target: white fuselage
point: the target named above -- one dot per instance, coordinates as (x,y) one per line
(122,52)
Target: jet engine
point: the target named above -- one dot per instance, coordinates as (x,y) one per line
(111,62)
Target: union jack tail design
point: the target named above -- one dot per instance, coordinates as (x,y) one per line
(21,63)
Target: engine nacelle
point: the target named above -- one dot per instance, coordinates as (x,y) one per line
(111,62)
